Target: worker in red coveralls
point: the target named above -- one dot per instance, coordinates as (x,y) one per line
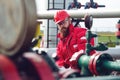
(72,40)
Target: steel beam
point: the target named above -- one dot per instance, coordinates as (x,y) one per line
(96,13)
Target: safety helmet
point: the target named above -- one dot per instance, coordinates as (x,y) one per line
(60,16)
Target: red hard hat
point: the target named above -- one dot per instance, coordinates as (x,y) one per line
(60,16)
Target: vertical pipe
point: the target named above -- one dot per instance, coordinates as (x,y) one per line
(64,4)
(53,4)
(83,64)
(48,33)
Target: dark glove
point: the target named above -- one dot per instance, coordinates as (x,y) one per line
(67,63)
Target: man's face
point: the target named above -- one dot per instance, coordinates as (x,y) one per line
(63,27)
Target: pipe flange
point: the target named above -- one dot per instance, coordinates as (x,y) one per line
(97,64)
(90,65)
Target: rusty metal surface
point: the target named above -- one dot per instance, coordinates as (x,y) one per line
(17,25)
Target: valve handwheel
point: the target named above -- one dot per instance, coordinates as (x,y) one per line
(88,21)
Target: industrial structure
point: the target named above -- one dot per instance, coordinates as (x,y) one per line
(17,61)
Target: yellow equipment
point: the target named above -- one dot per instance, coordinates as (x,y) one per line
(38,34)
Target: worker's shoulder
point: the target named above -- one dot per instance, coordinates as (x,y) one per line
(79,32)
(79,29)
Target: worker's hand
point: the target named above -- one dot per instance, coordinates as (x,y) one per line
(74,59)
(67,63)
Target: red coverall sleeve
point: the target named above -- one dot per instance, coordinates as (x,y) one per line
(60,60)
(92,42)
(81,41)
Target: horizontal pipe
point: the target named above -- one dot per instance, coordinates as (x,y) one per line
(113,51)
(96,78)
(112,66)
(96,13)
